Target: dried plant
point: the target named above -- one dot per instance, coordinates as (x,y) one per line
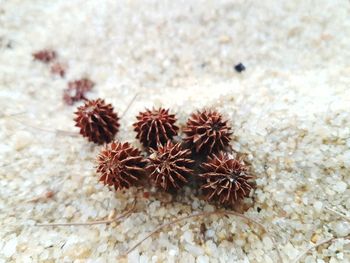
(205,215)
(155,127)
(170,166)
(97,121)
(225,179)
(121,165)
(206,132)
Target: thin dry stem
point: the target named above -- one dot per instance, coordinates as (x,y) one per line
(338,213)
(97,222)
(328,240)
(203,214)
(62,132)
(3,115)
(57,131)
(47,195)
(129,105)
(14,162)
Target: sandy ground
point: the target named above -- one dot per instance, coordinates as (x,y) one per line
(289,111)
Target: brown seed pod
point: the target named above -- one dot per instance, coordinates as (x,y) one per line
(45,56)
(206,132)
(121,165)
(155,127)
(76,90)
(225,179)
(97,121)
(170,166)
(58,69)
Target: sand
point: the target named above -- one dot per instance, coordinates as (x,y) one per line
(289,111)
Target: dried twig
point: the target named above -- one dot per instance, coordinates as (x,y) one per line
(2,115)
(97,222)
(47,195)
(62,132)
(328,240)
(14,162)
(57,131)
(129,105)
(337,213)
(203,214)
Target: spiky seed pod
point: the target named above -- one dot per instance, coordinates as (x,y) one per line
(45,56)
(206,132)
(170,166)
(155,127)
(97,121)
(225,179)
(121,165)
(76,90)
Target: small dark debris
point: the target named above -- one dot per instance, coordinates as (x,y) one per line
(9,45)
(146,195)
(203,229)
(239,67)
(58,69)
(258,209)
(5,43)
(45,56)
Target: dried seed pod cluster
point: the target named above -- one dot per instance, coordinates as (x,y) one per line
(169,165)
(76,89)
(49,56)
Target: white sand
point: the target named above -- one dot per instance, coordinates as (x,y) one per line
(290,111)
